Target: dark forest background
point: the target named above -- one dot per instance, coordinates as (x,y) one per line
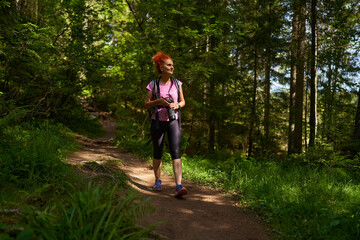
(261,77)
(272,99)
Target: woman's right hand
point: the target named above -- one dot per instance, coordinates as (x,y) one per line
(162,102)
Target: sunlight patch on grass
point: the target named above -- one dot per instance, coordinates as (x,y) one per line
(297,201)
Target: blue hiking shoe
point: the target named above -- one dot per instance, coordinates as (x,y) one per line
(157,186)
(180,191)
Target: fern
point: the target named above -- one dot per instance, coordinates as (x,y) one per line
(95,213)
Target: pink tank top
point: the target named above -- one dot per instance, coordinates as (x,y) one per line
(165,91)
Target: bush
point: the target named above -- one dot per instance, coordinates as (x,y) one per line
(77,120)
(33,153)
(96,213)
(310,196)
(325,156)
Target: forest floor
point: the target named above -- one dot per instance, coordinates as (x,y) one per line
(202,214)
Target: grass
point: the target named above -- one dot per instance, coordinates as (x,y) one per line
(86,126)
(94,213)
(49,200)
(32,153)
(297,201)
(90,213)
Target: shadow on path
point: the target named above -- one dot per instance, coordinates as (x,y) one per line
(202,214)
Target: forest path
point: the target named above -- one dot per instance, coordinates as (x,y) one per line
(202,214)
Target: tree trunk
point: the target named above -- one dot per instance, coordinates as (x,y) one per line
(327,105)
(294,56)
(300,10)
(313,72)
(211,116)
(268,85)
(357,119)
(306,110)
(212,97)
(253,107)
(332,121)
(267,104)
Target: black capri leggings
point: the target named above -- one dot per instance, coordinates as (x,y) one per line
(174,136)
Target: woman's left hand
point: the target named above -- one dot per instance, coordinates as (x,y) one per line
(174,105)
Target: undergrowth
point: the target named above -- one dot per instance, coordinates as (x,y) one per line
(86,126)
(42,197)
(93,213)
(33,153)
(299,201)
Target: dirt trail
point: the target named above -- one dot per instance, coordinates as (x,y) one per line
(202,214)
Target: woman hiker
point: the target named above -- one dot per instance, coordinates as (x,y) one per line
(165,97)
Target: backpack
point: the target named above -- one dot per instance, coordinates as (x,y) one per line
(156,95)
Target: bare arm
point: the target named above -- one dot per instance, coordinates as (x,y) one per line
(151,103)
(181,101)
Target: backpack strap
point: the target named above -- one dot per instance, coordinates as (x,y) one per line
(155,89)
(178,89)
(155,95)
(177,86)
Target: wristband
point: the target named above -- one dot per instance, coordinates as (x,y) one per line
(179,106)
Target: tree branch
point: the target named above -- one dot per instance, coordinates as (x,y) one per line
(142,30)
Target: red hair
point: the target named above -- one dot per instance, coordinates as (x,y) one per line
(158,59)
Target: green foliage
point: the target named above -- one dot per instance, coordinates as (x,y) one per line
(95,213)
(48,62)
(79,122)
(128,138)
(36,177)
(328,157)
(4,4)
(303,202)
(312,201)
(300,202)
(12,118)
(32,153)
(56,50)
